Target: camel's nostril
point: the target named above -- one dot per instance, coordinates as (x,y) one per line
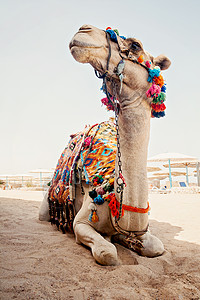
(85,28)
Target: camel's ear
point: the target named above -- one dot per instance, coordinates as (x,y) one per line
(162,61)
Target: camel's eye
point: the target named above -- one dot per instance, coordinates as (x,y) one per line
(135,46)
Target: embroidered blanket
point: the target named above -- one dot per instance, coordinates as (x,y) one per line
(92,152)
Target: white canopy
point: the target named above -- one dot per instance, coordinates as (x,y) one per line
(177,157)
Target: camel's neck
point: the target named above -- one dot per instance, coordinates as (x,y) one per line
(134,126)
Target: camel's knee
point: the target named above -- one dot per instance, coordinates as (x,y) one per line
(103,251)
(105,254)
(44,209)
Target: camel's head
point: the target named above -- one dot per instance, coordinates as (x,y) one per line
(90,45)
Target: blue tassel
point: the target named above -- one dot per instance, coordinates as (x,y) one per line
(158,114)
(153,73)
(98,200)
(163,88)
(90,216)
(113,35)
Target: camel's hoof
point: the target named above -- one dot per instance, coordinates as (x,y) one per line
(106,256)
(152,245)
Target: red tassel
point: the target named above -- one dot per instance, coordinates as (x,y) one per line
(158,107)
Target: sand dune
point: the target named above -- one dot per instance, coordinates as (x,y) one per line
(38,262)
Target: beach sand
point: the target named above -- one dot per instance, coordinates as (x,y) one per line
(39,262)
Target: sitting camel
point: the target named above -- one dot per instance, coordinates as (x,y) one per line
(135,91)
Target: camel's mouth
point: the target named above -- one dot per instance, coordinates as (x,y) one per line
(80,44)
(81,50)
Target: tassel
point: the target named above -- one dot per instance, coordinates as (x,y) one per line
(98,200)
(95,218)
(90,216)
(158,107)
(57,222)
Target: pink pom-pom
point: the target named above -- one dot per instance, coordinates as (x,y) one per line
(106,102)
(154,90)
(87,141)
(148,64)
(100,191)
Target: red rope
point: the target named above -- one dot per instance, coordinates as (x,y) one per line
(136,209)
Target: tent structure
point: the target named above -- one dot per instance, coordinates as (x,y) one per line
(185,165)
(166,172)
(21,177)
(153,169)
(172,157)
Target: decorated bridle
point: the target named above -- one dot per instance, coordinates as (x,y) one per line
(157,92)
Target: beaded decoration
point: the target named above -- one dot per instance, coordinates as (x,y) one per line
(157,91)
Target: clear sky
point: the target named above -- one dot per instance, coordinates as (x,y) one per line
(46,95)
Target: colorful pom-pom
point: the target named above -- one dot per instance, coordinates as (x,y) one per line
(98,200)
(122,37)
(164,88)
(113,35)
(97,179)
(161,98)
(153,73)
(87,141)
(116,31)
(93,194)
(100,190)
(158,107)
(108,28)
(153,91)
(140,59)
(159,80)
(148,63)
(111,180)
(109,105)
(155,114)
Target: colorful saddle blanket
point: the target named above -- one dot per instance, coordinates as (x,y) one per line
(89,153)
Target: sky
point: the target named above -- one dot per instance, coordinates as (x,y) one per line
(46,95)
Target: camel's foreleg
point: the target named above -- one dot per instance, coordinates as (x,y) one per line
(103,251)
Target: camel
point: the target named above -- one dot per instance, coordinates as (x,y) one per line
(127,78)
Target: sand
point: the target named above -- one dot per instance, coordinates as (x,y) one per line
(38,262)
